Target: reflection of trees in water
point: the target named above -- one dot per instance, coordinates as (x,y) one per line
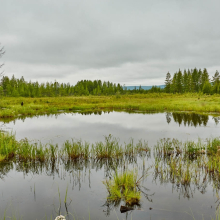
(50,115)
(216,119)
(168,117)
(190,119)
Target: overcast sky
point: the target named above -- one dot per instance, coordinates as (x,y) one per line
(131,42)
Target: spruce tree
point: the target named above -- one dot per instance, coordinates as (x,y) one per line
(185,82)
(216,78)
(195,79)
(204,78)
(168,82)
(216,82)
(190,81)
(179,83)
(174,83)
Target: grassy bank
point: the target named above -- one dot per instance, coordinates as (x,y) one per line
(11,107)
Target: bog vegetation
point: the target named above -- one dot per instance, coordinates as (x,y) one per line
(182,163)
(153,102)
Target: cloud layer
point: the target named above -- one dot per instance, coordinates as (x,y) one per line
(130,42)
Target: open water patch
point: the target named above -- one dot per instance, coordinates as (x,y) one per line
(44,190)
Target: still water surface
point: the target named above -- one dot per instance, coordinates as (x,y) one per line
(37,191)
(93,127)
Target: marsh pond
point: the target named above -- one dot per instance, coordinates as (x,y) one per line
(75,187)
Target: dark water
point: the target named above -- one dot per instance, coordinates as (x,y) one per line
(35,191)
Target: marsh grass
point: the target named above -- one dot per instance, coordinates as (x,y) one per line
(75,150)
(11,107)
(107,149)
(25,151)
(185,163)
(123,186)
(7,146)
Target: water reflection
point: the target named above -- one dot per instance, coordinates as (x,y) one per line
(187,119)
(190,119)
(85,177)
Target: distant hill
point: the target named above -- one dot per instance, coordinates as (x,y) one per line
(143,87)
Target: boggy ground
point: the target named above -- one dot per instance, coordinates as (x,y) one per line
(11,107)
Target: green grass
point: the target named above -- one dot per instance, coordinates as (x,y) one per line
(123,186)
(189,162)
(11,107)
(25,151)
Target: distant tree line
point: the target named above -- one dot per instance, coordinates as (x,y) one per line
(188,81)
(19,87)
(192,81)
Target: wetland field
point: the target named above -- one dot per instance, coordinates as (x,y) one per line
(154,156)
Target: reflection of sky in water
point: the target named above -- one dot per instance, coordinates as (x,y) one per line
(37,194)
(92,128)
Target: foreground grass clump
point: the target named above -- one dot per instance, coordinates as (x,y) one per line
(8,146)
(160,102)
(124,186)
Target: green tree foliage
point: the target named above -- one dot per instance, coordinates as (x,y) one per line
(96,87)
(168,82)
(19,87)
(179,83)
(207,87)
(216,82)
(193,80)
(204,78)
(185,81)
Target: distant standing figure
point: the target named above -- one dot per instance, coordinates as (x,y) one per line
(22,103)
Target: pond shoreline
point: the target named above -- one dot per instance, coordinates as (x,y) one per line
(11,107)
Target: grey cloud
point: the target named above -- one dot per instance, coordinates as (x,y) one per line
(96,37)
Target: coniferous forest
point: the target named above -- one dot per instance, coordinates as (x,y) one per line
(188,81)
(192,81)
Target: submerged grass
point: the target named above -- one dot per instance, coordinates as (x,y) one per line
(11,107)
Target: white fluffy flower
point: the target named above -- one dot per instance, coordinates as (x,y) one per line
(61,217)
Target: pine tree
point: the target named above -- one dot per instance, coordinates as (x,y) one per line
(216,82)
(185,82)
(190,81)
(216,78)
(204,78)
(174,84)
(168,82)
(195,80)
(179,83)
